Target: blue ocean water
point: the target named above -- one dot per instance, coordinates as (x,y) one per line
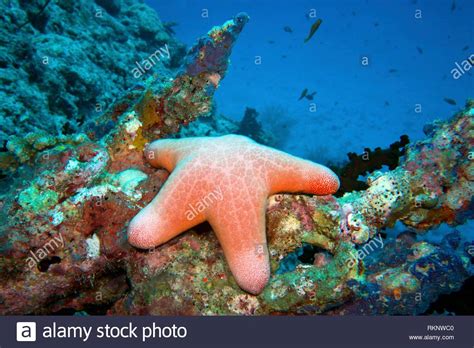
(380,68)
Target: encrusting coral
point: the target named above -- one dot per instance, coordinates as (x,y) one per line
(64,244)
(368,162)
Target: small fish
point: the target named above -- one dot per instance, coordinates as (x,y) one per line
(283,55)
(393,71)
(465,48)
(376,24)
(271,42)
(303,94)
(387,103)
(313,29)
(420,51)
(288,29)
(453,5)
(450,101)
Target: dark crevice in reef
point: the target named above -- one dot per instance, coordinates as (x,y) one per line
(305,255)
(38,18)
(112,287)
(3,154)
(367,162)
(44,264)
(88,309)
(457,303)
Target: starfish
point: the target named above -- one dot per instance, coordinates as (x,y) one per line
(225,181)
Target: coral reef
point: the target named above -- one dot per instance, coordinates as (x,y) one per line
(252,128)
(216,125)
(64,247)
(62,88)
(274,119)
(367,162)
(408,275)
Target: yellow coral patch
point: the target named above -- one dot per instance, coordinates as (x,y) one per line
(148,110)
(290,224)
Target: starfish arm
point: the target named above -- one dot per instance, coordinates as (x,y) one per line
(167,215)
(291,174)
(240,229)
(166,153)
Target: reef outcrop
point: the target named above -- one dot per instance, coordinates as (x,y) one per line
(62,88)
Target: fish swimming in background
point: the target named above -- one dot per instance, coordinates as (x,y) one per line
(288,29)
(453,5)
(450,101)
(303,94)
(393,71)
(420,51)
(465,48)
(313,29)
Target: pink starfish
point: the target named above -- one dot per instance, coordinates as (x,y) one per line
(225,181)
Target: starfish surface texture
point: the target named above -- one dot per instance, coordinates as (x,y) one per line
(225,181)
